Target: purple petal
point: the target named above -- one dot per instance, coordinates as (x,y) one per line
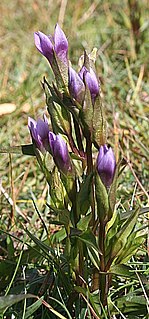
(44,45)
(92,83)
(45,119)
(60,152)
(82,72)
(76,85)
(32,124)
(42,129)
(91,80)
(60,148)
(52,138)
(100,154)
(60,44)
(32,127)
(106,165)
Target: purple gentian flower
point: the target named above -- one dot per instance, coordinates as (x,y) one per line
(106,165)
(91,80)
(76,85)
(60,152)
(40,133)
(47,45)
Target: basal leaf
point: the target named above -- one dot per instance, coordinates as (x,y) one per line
(31,309)
(123,234)
(89,239)
(122,270)
(9,300)
(84,222)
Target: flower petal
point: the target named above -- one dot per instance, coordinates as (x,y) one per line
(60,44)
(106,165)
(42,129)
(91,80)
(76,85)
(32,124)
(44,45)
(52,138)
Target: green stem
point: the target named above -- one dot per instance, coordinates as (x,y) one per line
(89,155)
(102,277)
(89,170)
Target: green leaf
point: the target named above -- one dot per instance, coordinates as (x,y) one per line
(89,239)
(60,116)
(34,307)
(101,198)
(113,190)
(132,302)
(63,306)
(64,217)
(58,236)
(56,313)
(9,300)
(45,248)
(132,245)
(123,234)
(84,196)
(57,190)
(94,256)
(99,123)
(61,73)
(122,270)
(10,247)
(84,222)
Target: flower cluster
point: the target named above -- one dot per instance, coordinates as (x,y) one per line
(45,140)
(55,49)
(58,45)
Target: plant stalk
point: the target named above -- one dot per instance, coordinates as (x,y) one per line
(102,276)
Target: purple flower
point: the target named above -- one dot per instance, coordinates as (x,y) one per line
(40,133)
(47,45)
(106,165)
(90,79)
(60,153)
(76,85)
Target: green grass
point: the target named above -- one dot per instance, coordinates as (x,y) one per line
(122,66)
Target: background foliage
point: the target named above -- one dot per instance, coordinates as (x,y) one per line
(119,30)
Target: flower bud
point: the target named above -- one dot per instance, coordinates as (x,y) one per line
(90,79)
(60,153)
(76,85)
(47,45)
(39,132)
(106,165)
